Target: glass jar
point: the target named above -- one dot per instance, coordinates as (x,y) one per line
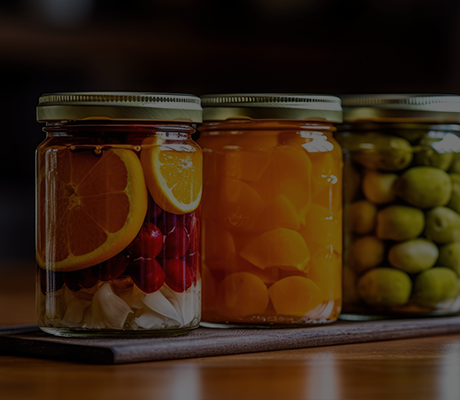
(119,183)
(272,231)
(401,205)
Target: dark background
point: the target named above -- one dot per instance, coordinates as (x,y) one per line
(204,46)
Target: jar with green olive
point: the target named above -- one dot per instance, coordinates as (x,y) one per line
(401,205)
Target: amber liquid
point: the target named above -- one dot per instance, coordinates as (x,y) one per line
(272,225)
(84,301)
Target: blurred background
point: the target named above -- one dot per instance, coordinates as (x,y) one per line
(204,46)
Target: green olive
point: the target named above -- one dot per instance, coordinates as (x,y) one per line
(435,285)
(379,187)
(454,201)
(378,151)
(455,166)
(424,187)
(449,256)
(361,216)
(429,156)
(366,252)
(414,255)
(399,223)
(411,135)
(442,225)
(385,287)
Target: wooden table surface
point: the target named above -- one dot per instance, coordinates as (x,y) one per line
(425,368)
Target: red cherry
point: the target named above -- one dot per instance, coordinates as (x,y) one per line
(147,274)
(50,281)
(176,243)
(178,275)
(153,211)
(148,242)
(114,267)
(84,278)
(167,222)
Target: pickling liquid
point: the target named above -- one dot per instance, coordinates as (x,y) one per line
(110,258)
(272,224)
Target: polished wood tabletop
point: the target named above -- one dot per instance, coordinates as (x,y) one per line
(424,368)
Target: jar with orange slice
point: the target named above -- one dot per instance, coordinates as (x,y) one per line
(119,184)
(272,210)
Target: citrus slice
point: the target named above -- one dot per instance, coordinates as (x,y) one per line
(173,173)
(89,207)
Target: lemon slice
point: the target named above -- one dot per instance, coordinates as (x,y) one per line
(173,173)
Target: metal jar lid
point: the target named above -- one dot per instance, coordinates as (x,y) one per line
(403,108)
(122,106)
(322,108)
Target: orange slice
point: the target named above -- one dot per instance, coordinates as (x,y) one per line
(89,207)
(173,173)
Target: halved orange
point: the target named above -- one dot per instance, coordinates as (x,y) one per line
(173,173)
(89,207)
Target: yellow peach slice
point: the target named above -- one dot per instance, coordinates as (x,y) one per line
(241,294)
(246,165)
(289,175)
(280,247)
(326,272)
(295,296)
(239,205)
(279,213)
(322,228)
(267,275)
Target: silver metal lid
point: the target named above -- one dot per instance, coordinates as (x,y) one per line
(219,107)
(126,106)
(407,108)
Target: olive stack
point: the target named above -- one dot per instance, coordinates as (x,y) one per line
(402,204)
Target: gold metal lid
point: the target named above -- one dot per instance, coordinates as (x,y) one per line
(126,106)
(323,108)
(404,108)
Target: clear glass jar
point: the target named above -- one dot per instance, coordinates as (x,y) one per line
(401,205)
(119,184)
(272,210)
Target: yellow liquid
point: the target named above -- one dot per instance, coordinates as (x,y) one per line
(272,225)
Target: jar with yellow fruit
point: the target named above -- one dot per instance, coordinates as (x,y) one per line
(272,210)
(401,205)
(119,184)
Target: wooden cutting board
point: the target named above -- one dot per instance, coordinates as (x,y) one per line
(28,340)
